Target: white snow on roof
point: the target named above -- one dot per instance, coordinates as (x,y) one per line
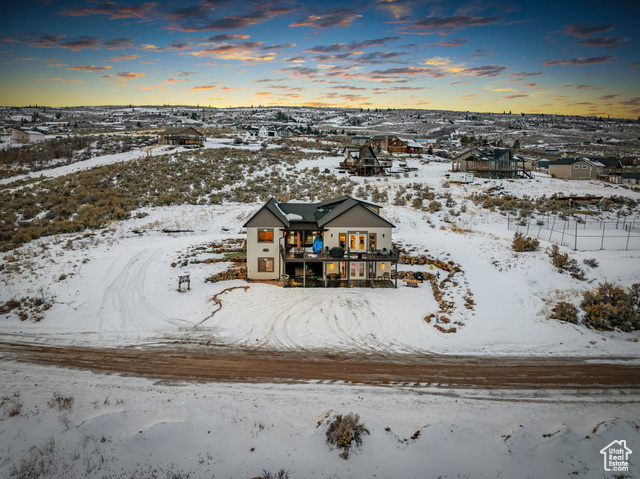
(293,217)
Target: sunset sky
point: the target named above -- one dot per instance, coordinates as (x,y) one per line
(533,57)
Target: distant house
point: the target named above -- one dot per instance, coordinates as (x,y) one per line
(612,170)
(181,136)
(287,131)
(381,142)
(267,131)
(252,130)
(338,242)
(576,168)
(449,143)
(630,162)
(429,142)
(360,140)
(26,136)
(363,161)
(630,178)
(400,145)
(486,162)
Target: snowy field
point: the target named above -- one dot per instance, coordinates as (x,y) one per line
(76,424)
(117,287)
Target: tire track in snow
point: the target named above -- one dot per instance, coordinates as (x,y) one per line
(125,306)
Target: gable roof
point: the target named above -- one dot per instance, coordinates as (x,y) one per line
(28,132)
(609,162)
(314,213)
(179,130)
(571,161)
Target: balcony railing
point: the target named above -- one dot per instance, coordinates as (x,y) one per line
(305,254)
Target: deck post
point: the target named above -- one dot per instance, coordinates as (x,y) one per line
(348,271)
(324,272)
(397,270)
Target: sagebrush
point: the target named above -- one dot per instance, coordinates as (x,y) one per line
(345,432)
(523,243)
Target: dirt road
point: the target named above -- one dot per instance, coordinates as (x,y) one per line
(220,364)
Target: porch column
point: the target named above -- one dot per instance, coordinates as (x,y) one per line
(396,273)
(371,273)
(324,268)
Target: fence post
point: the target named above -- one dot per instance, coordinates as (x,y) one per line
(626,248)
(552,227)
(575,240)
(528,224)
(604,225)
(564,226)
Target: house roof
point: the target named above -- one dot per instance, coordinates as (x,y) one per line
(28,132)
(314,214)
(488,153)
(363,150)
(631,175)
(411,143)
(609,162)
(382,137)
(179,130)
(571,161)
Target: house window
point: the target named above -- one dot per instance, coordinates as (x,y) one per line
(372,241)
(577,167)
(265,265)
(584,167)
(265,236)
(343,240)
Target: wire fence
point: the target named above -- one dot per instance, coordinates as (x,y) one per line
(623,233)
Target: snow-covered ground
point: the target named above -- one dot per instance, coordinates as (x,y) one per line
(117,427)
(118,286)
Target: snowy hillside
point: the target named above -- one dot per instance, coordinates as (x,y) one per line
(116,286)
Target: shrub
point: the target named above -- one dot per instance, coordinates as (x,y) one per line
(563,263)
(591,262)
(281,474)
(523,243)
(434,206)
(612,307)
(12,405)
(564,311)
(60,402)
(345,431)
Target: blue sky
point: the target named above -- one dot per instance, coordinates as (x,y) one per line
(534,57)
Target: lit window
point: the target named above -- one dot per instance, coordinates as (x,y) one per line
(265,236)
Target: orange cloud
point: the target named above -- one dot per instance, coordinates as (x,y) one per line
(90,68)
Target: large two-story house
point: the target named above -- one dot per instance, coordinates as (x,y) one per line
(486,162)
(342,241)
